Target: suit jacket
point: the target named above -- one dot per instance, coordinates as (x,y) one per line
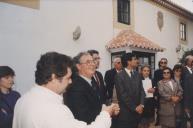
(110,81)
(101,87)
(168,111)
(187,85)
(83,100)
(130,94)
(167,107)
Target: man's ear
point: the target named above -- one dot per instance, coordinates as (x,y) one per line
(78,66)
(128,63)
(53,77)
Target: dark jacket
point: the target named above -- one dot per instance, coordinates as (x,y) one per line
(7,104)
(130,94)
(101,87)
(187,85)
(110,81)
(83,100)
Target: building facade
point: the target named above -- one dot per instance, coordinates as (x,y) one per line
(39,26)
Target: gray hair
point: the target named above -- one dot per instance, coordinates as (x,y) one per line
(189,57)
(77,58)
(116,59)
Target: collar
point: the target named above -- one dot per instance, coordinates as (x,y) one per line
(128,71)
(87,79)
(189,69)
(147,78)
(48,94)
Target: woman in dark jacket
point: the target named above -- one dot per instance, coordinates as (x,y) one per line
(8,97)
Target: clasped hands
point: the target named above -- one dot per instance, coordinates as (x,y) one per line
(112,109)
(175,99)
(139,109)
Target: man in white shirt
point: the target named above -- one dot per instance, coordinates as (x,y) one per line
(42,106)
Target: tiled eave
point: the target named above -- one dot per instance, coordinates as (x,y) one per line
(175,8)
(129,38)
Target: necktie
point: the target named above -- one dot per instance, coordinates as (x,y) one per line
(97,79)
(132,73)
(94,86)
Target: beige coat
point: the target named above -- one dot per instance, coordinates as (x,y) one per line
(168,110)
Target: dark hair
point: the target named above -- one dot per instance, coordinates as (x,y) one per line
(127,57)
(91,52)
(51,63)
(170,70)
(177,66)
(159,64)
(6,71)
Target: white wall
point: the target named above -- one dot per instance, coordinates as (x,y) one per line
(26,33)
(145,15)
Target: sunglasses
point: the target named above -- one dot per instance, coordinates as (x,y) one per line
(163,62)
(166,72)
(178,71)
(118,62)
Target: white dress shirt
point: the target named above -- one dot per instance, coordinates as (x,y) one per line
(43,108)
(171,85)
(189,69)
(128,71)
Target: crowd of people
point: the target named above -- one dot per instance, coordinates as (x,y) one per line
(71,92)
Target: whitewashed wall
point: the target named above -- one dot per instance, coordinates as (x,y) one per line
(26,33)
(145,14)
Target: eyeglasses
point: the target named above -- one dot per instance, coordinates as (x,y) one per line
(166,72)
(97,58)
(88,62)
(163,62)
(118,62)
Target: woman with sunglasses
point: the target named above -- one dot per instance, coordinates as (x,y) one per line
(8,97)
(170,95)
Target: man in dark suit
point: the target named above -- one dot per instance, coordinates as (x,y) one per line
(130,93)
(110,85)
(82,97)
(98,77)
(187,80)
(110,78)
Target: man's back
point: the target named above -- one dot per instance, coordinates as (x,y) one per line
(110,81)
(35,110)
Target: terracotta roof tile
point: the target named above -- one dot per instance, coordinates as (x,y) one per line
(132,39)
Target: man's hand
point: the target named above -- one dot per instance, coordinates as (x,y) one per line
(108,109)
(116,109)
(139,109)
(175,99)
(151,90)
(112,109)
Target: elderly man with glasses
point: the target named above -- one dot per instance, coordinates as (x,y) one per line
(82,97)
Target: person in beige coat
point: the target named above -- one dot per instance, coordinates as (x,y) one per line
(170,95)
